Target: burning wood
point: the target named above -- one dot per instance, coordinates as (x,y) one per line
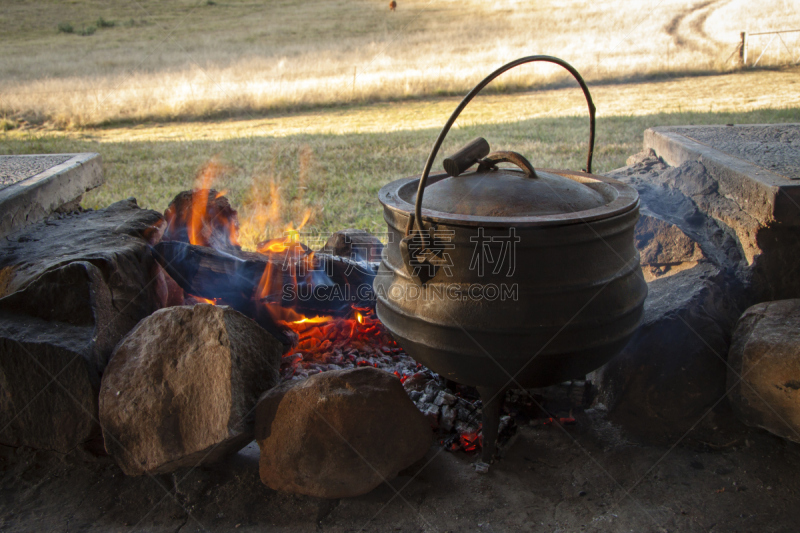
(309,283)
(203,217)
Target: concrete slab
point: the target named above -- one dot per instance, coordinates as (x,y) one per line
(756,165)
(33,186)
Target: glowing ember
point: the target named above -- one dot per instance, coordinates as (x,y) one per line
(201,300)
(319,337)
(471,442)
(312,320)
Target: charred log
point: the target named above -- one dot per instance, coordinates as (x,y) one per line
(202,216)
(313,284)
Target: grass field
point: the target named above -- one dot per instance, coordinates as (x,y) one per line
(333,161)
(317,104)
(149,60)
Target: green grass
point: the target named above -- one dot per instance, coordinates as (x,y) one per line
(338,176)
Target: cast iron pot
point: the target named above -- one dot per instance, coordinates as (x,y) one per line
(509,278)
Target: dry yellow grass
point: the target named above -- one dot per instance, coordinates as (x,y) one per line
(734,92)
(186,58)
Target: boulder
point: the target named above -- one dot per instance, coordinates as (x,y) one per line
(338,434)
(665,195)
(70,288)
(53,346)
(116,240)
(764,368)
(761,253)
(181,388)
(673,370)
(664,249)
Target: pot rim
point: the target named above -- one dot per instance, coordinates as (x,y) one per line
(626,199)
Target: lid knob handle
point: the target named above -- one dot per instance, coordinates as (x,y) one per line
(471,153)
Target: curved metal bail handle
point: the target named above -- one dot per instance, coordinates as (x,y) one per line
(417,220)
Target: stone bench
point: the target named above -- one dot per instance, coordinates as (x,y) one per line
(34,186)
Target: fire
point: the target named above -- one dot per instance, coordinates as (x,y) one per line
(312,320)
(294,257)
(200,216)
(291,239)
(320,335)
(202,300)
(324,333)
(203,216)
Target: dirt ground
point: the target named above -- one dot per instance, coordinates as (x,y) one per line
(590,476)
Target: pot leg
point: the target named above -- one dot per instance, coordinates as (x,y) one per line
(492,403)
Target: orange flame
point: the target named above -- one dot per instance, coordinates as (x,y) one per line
(312,320)
(204,217)
(291,238)
(317,336)
(199,209)
(295,258)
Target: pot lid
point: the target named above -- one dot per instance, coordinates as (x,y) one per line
(511,193)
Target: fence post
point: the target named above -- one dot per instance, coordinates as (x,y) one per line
(743,49)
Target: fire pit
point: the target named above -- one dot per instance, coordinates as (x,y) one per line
(562,294)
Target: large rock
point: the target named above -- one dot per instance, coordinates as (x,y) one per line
(669,194)
(116,240)
(70,288)
(182,386)
(339,433)
(53,346)
(673,369)
(764,374)
(761,253)
(664,249)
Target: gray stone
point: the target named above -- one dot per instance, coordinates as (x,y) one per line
(762,256)
(34,186)
(69,290)
(645,160)
(338,434)
(54,343)
(673,369)
(116,239)
(755,165)
(181,388)
(764,374)
(661,193)
(663,248)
